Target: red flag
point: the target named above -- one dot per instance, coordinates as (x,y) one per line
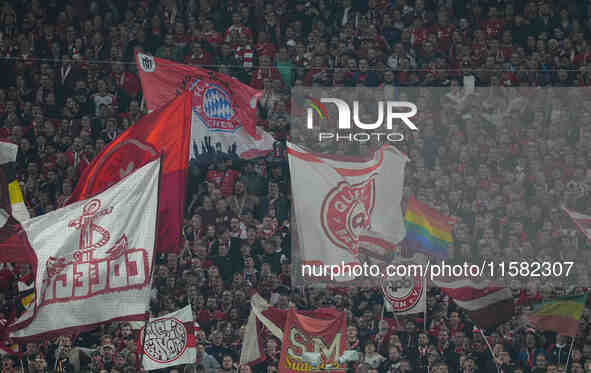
(266,320)
(303,334)
(163,80)
(13,244)
(224,109)
(166,131)
(13,248)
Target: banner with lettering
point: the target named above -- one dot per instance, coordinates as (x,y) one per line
(168,340)
(93,259)
(303,334)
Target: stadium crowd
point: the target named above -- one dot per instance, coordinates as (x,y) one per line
(70,86)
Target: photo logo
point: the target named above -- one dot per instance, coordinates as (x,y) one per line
(316,106)
(388,112)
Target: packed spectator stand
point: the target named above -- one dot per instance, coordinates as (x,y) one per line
(69,87)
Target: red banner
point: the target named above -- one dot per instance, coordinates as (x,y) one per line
(223,109)
(303,334)
(166,131)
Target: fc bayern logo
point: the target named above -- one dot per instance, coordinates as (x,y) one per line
(214,106)
(346,213)
(403,293)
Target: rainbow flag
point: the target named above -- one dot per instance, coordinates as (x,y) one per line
(427,230)
(560,315)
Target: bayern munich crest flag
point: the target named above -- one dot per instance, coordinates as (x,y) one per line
(339,200)
(406,294)
(93,259)
(224,108)
(168,340)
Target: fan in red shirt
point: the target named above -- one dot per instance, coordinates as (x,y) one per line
(156,25)
(507,44)
(210,314)
(74,154)
(265,71)
(455,324)
(210,35)
(86,157)
(198,57)
(264,47)
(233,33)
(509,79)
(528,296)
(224,178)
(403,75)
(200,253)
(494,25)
(244,52)
(418,33)
(479,47)
(181,38)
(63,199)
(125,80)
(443,30)
(584,57)
(318,73)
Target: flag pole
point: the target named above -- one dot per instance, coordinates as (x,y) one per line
(140,359)
(572,343)
(490,349)
(426,300)
(394,315)
(425,315)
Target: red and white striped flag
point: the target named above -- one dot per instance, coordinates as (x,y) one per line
(583,222)
(486,303)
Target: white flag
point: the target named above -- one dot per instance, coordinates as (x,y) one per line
(583,222)
(338,200)
(169,340)
(8,152)
(93,258)
(405,290)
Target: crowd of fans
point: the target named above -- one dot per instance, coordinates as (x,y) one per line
(69,87)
